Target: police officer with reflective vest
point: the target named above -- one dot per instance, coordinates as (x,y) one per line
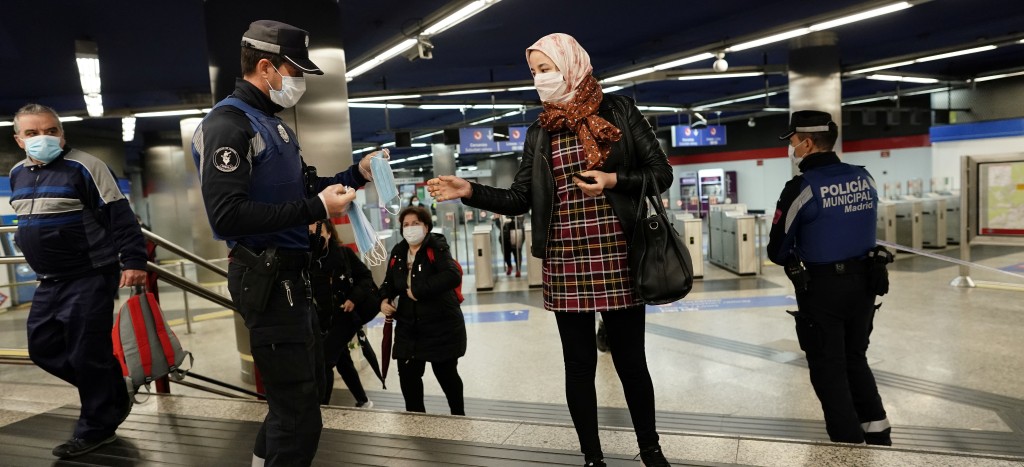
(260,200)
(823,234)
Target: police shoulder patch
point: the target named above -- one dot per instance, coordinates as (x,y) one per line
(226,159)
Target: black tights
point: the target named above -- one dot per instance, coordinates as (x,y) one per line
(410,375)
(579,350)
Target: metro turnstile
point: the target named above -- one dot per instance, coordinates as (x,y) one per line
(886,229)
(732,234)
(534,274)
(908,223)
(691,232)
(483,257)
(933,222)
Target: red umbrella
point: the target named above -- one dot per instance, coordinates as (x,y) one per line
(385,350)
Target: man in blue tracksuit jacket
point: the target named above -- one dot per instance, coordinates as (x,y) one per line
(80,236)
(825,219)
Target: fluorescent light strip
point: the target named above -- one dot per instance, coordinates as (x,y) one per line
(775,109)
(3,124)
(769,40)
(411,158)
(685,61)
(429,134)
(169,113)
(455,18)
(903,79)
(520,88)
(957,53)
(720,75)
(70,119)
(612,89)
(500,154)
(861,16)
(924,91)
(733,101)
(89,74)
(384,56)
(999,76)
(374,105)
(384,98)
(498,117)
(929,58)
(128,129)
(870,99)
(360,151)
(631,74)
(469,91)
(655,108)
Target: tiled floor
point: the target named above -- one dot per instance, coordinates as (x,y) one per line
(945,358)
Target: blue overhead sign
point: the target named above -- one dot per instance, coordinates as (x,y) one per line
(516,139)
(477,140)
(711,135)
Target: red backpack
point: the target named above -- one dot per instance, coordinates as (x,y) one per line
(144,344)
(458,289)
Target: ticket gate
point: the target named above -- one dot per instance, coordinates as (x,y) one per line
(908,223)
(732,233)
(933,222)
(886,230)
(691,230)
(534,272)
(483,257)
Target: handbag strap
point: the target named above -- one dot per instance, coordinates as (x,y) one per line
(653,199)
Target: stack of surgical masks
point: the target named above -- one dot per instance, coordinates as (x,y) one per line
(384,180)
(369,244)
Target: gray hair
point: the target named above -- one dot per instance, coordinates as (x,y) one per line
(35,109)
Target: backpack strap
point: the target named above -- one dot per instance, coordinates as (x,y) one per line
(162,331)
(430,254)
(141,335)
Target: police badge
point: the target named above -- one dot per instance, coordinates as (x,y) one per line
(284,133)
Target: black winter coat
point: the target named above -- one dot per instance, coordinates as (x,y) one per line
(636,154)
(340,275)
(430,328)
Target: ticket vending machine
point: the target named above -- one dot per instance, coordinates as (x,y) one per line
(689,193)
(716,186)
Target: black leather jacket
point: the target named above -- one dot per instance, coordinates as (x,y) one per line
(636,154)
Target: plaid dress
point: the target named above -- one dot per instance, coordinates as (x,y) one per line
(586,265)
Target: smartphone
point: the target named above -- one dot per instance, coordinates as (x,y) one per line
(584,179)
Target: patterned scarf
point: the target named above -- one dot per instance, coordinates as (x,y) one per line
(579,115)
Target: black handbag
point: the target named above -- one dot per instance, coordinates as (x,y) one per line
(660,263)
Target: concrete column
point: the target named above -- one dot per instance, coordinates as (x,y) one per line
(815,81)
(200,239)
(503,171)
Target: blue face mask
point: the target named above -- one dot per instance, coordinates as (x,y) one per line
(43,148)
(384,180)
(367,241)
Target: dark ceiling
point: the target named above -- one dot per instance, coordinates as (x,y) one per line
(154,54)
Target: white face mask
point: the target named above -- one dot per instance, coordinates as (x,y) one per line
(414,234)
(551,86)
(292,88)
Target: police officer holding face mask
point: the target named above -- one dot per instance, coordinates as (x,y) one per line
(260,200)
(823,233)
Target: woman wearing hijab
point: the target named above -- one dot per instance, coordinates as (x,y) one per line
(419,293)
(583,165)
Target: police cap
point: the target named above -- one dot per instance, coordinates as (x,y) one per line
(281,39)
(808,121)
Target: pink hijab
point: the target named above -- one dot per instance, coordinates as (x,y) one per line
(570,58)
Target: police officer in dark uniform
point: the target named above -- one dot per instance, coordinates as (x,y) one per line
(260,198)
(823,233)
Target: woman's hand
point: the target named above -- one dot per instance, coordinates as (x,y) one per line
(348,306)
(386,308)
(602,181)
(448,187)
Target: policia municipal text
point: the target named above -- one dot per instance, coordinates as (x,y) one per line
(823,233)
(258,199)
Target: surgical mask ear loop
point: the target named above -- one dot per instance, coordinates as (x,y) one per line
(384,181)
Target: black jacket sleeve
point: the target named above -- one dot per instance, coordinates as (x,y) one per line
(445,277)
(516,199)
(124,227)
(650,159)
(364,291)
(226,193)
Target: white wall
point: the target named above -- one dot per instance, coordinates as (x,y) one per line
(757,186)
(901,165)
(946,155)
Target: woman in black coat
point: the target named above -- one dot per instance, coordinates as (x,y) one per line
(346,298)
(419,293)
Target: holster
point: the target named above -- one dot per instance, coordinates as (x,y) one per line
(878,272)
(258,279)
(797,274)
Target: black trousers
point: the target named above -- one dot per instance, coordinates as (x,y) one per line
(337,355)
(833,326)
(512,250)
(410,375)
(69,337)
(286,347)
(579,350)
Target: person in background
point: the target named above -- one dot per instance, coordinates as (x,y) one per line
(414,201)
(823,230)
(583,166)
(512,243)
(419,293)
(346,299)
(80,236)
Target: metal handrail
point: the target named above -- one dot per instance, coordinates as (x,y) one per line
(190,286)
(178,250)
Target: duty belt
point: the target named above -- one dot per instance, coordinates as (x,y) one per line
(287,260)
(851,266)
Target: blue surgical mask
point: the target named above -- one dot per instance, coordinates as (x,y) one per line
(384,181)
(43,148)
(367,241)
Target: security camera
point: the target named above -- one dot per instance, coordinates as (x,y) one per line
(424,49)
(720,64)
